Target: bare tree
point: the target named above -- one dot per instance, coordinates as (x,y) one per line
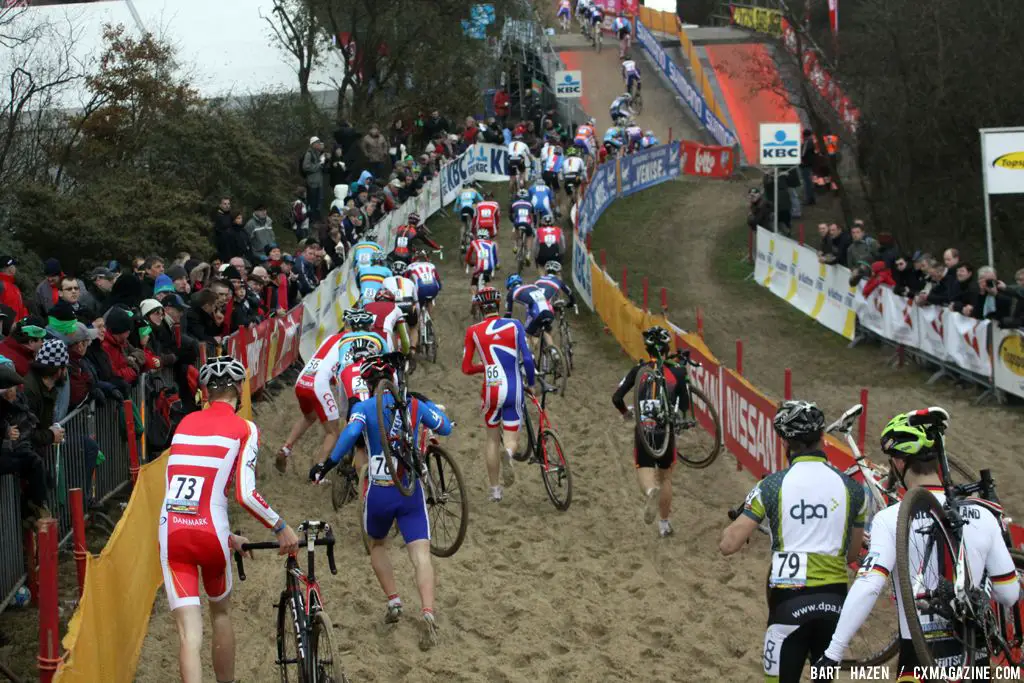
(295,31)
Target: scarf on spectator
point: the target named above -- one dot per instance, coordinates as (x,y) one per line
(65,327)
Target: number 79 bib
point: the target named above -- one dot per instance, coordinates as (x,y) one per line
(789,569)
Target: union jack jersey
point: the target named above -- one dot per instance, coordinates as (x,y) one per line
(482,255)
(501,345)
(531,297)
(487,217)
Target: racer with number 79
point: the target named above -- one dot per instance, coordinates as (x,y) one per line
(815,514)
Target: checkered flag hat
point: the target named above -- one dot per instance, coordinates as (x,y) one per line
(53,353)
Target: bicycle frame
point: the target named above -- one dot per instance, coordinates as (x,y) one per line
(542,423)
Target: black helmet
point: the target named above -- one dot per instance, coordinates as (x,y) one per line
(799,421)
(657,341)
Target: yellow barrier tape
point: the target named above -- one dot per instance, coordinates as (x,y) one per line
(105,635)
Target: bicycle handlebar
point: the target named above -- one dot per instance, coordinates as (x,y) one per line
(845,421)
(327,540)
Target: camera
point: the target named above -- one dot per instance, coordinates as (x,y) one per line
(991,284)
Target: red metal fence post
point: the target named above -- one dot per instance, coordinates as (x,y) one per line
(787,391)
(700,323)
(77,503)
(133,444)
(604,260)
(49,617)
(646,286)
(862,427)
(801,233)
(670,135)
(625,282)
(664,301)
(739,356)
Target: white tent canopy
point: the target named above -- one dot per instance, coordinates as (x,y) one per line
(224,46)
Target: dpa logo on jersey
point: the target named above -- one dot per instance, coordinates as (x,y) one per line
(569,84)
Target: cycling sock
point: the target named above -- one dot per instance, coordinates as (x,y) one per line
(394,600)
(428,610)
(663,525)
(652,490)
(495,492)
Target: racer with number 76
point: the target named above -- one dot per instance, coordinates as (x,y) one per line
(816,517)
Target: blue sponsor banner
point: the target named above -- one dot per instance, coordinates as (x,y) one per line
(482,161)
(686,91)
(600,193)
(649,167)
(581,272)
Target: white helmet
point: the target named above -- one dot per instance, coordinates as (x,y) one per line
(483,234)
(221,371)
(540,182)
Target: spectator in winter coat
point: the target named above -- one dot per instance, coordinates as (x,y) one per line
(300,214)
(944,289)
(313,173)
(888,250)
(337,169)
(221,223)
(120,324)
(825,241)
(201,317)
(305,268)
(340,199)
(126,292)
(81,303)
(840,243)
(48,291)
(23,343)
(101,281)
(375,148)
(969,296)
(179,282)
(436,125)
(260,230)
(83,382)
(880,275)
(10,294)
(502,105)
(235,242)
(908,278)
(153,267)
(863,249)
(19,431)
(49,372)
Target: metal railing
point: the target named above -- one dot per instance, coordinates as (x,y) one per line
(12,552)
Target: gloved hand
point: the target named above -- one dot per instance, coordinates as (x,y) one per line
(97,395)
(117,395)
(824,669)
(317,472)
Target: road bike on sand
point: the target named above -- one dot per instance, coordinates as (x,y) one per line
(305,635)
(544,449)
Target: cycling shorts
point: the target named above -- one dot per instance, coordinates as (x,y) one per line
(571,183)
(551,178)
(800,627)
(502,401)
(642,459)
(623,32)
(187,552)
(584,144)
(516,165)
(409,312)
(481,278)
(467,211)
(631,79)
(594,21)
(527,229)
(547,254)
(563,12)
(534,325)
(428,292)
(386,505)
(316,396)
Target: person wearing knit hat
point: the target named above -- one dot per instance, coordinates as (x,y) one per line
(48,291)
(120,323)
(162,284)
(44,384)
(18,427)
(26,338)
(179,276)
(61,320)
(9,377)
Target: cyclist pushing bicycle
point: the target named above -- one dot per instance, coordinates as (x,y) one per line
(913,442)
(385,505)
(816,517)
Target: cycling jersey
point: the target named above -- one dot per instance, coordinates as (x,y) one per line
(209,448)
(596,15)
(621,27)
(518,150)
(542,199)
(387,317)
(675,386)
(538,308)
(482,255)
(550,244)
(384,504)
(614,135)
(363,252)
(619,108)
(488,217)
(573,169)
(648,141)
(358,339)
(427,279)
(987,559)
(634,134)
(564,7)
(405,296)
(553,286)
(370,280)
(404,238)
(313,387)
(630,68)
(522,214)
(553,164)
(467,200)
(585,131)
(353,386)
(501,345)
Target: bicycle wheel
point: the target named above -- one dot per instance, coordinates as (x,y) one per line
(638,104)
(555,471)
(429,338)
(520,254)
(550,368)
(397,449)
(290,641)
(326,663)
(961,473)
(651,413)
(598,40)
(565,342)
(1010,627)
(696,447)
(343,490)
(447,503)
(926,550)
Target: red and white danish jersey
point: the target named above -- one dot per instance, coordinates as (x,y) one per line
(386,314)
(488,214)
(352,383)
(323,366)
(211,450)
(550,236)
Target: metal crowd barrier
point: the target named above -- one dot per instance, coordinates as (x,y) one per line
(12,552)
(69,466)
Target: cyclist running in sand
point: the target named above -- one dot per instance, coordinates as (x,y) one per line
(816,517)
(521,212)
(384,503)
(519,160)
(913,459)
(539,312)
(623,29)
(631,75)
(501,346)
(427,279)
(210,449)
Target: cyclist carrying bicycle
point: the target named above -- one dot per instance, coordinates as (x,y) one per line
(816,517)
(521,212)
(209,449)
(501,345)
(384,503)
(654,475)
(518,162)
(914,460)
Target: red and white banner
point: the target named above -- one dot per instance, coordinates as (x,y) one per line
(967,343)
(747,416)
(931,330)
(901,324)
(269,348)
(871,310)
(707,377)
(822,80)
(708,161)
(833,16)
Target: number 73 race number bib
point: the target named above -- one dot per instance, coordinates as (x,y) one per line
(184,493)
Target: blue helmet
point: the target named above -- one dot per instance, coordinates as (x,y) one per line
(513,280)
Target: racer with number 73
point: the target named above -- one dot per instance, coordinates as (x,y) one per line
(816,517)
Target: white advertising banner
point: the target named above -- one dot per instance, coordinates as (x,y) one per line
(931,330)
(1008,360)
(967,343)
(1003,160)
(870,310)
(900,315)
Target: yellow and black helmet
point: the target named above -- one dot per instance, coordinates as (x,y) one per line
(901,439)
